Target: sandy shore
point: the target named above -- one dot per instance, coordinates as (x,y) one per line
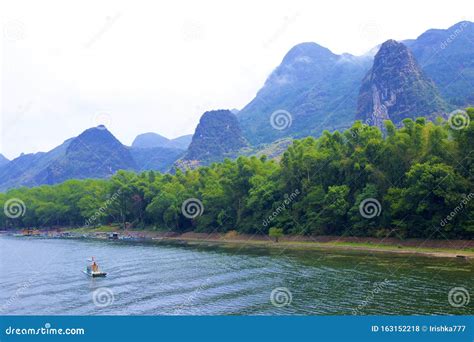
(463,249)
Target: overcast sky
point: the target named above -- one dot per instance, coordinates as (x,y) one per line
(140,66)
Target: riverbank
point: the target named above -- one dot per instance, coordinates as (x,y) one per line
(464,249)
(432,248)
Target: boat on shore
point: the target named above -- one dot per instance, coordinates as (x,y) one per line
(92,270)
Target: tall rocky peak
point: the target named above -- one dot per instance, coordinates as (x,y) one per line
(95,153)
(96,137)
(217,135)
(396,88)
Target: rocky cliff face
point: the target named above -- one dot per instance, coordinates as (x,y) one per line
(217,136)
(396,88)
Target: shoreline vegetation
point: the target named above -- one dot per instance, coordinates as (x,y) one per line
(462,249)
(359,186)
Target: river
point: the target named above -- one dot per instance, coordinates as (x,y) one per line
(44,277)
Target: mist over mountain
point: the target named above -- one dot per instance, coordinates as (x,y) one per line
(317,87)
(320,89)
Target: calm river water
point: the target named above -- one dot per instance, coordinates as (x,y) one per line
(44,277)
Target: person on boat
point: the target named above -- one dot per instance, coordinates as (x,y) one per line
(95,268)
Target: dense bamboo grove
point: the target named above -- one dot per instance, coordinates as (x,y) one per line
(421,174)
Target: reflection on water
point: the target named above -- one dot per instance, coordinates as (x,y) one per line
(44,276)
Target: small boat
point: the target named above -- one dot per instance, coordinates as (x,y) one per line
(93,270)
(113,236)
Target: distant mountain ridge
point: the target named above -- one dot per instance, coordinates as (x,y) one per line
(151,140)
(316,88)
(320,89)
(95,153)
(155,158)
(447,57)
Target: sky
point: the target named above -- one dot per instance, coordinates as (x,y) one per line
(157,66)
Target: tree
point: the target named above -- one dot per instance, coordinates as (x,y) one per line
(275,233)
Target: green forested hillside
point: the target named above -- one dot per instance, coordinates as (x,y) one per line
(416,181)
